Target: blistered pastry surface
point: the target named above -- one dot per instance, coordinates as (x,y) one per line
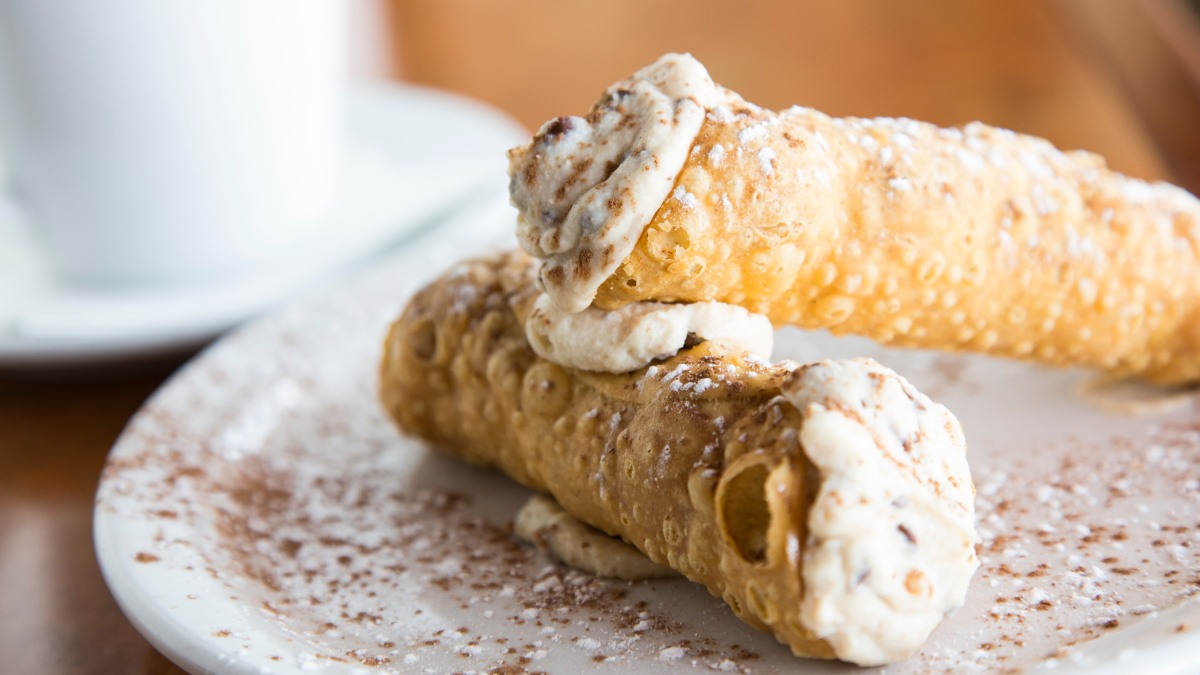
(630,337)
(696,460)
(964,239)
(638,455)
(586,186)
(891,532)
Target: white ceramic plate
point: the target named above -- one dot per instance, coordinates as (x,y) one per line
(413,155)
(261,515)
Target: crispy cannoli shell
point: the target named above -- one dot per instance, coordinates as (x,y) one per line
(974,239)
(669,474)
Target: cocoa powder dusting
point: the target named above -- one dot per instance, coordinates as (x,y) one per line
(1057,524)
(424,542)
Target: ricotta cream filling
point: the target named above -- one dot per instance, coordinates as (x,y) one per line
(891,533)
(625,339)
(586,187)
(545,524)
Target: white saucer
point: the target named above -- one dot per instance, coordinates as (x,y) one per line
(414,155)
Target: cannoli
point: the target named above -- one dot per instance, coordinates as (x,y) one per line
(975,238)
(829,504)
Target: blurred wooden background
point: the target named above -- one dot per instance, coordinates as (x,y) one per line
(1118,77)
(1105,75)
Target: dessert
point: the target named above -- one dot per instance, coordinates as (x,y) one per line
(674,189)
(829,504)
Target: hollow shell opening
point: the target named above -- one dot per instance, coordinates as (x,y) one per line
(745,513)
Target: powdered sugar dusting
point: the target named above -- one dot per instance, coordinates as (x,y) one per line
(766,159)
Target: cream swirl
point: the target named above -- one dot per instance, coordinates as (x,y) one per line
(586,187)
(625,339)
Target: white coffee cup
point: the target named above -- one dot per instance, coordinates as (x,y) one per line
(166,140)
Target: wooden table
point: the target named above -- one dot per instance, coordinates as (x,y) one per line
(1066,71)
(56,615)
